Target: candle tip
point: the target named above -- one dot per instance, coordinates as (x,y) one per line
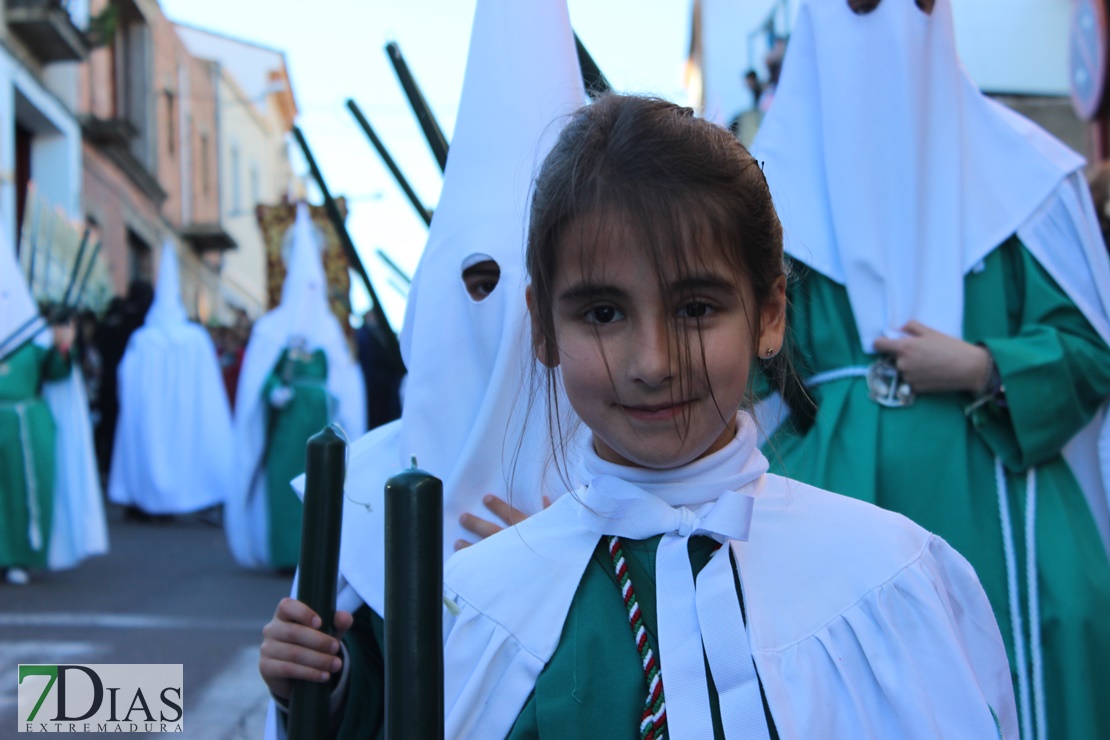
(414,466)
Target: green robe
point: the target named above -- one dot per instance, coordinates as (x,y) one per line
(289,428)
(594,684)
(936,466)
(27,455)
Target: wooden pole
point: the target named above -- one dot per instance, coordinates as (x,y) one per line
(336,219)
(432,132)
(421,211)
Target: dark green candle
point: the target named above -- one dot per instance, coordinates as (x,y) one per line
(414,606)
(325,470)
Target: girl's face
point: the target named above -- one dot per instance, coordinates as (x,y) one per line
(657,372)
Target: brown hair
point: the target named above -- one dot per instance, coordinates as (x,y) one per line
(675,180)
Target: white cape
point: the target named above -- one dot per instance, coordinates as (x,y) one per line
(79,529)
(861,624)
(172,453)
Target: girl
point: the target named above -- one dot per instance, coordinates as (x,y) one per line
(683,591)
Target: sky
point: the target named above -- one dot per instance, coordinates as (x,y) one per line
(335,51)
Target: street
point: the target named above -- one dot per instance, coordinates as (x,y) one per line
(167,592)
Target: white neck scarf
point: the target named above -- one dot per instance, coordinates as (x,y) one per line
(712,496)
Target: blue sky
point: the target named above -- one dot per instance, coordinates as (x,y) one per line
(335,51)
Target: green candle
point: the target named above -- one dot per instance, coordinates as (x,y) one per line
(325,470)
(414,606)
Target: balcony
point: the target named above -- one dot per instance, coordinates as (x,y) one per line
(47,29)
(112,137)
(207,237)
(108,131)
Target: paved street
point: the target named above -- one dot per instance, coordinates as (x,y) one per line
(166,593)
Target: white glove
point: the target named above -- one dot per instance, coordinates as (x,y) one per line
(281,396)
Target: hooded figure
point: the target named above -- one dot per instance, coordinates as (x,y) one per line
(298,376)
(468,352)
(172,451)
(951,321)
(27,427)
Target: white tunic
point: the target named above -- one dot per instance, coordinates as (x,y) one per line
(173,411)
(861,624)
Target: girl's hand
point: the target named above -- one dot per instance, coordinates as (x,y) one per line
(932,362)
(484,528)
(293,647)
(63,336)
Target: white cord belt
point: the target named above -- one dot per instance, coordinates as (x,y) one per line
(1036,706)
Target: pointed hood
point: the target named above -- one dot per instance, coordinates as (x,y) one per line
(304,294)
(891,172)
(468,362)
(17,306)
(167,310)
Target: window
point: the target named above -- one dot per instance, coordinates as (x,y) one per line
(142,262)
(236,196)
(256,196)
(204,163)
(171,112)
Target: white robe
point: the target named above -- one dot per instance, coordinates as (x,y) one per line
(172,453)
(79,528)
(861,624)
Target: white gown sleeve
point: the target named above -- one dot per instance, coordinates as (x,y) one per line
(919,656)
(488,675)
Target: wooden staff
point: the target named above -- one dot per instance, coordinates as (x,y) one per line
(432,132)
(592,78)
(414,606)
(421,211)
(88,272)
(336,218)
(59,313)
(76,268)
(325,470)
(393,266)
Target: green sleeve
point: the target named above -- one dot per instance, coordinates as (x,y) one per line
(364,705)
(1055,370)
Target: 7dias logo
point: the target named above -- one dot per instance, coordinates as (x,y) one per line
(100,698)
